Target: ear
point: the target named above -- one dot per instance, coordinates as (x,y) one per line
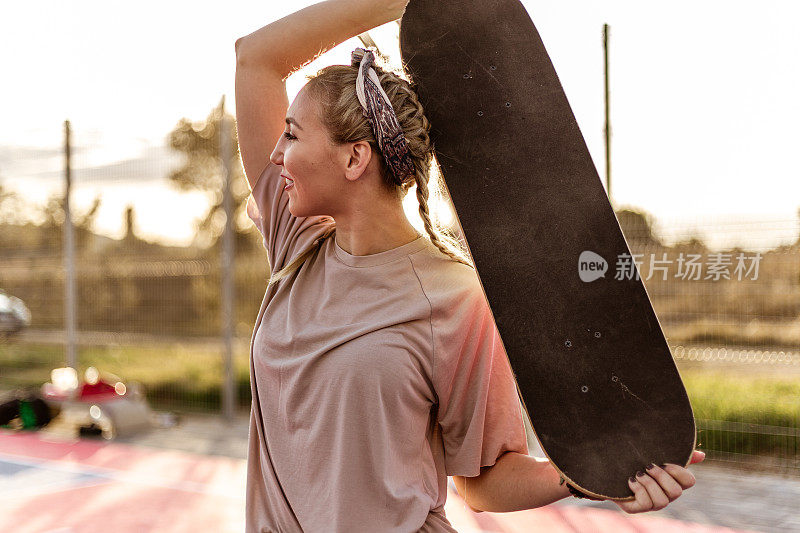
(358,158)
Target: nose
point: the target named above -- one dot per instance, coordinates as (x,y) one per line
(276,157)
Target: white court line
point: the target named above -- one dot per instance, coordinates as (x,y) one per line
(118,475)
(54,488)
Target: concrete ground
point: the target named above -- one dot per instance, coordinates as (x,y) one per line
(723,496)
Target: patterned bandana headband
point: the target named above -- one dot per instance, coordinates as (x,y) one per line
(380,113)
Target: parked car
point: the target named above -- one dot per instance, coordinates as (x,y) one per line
(14,315)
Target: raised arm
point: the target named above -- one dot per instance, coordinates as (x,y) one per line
(266,57)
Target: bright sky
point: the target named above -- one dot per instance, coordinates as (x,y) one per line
(704,102)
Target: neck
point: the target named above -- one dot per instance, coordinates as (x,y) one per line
(374,229)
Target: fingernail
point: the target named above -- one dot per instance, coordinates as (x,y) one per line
(650,466)
(632,479)
(662,465)
(639,473)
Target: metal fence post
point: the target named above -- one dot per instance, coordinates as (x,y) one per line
(229,384)
(69,257)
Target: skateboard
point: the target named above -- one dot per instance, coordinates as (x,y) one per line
(593,368)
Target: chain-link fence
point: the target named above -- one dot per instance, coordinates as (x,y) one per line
(152,312)
(732,320)
(147,306)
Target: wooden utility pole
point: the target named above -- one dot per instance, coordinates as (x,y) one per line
(607,128)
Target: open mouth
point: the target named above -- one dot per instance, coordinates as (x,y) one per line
(289,183)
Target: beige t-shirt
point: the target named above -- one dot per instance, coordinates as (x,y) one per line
(373,378)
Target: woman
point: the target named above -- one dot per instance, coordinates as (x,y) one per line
(376,367)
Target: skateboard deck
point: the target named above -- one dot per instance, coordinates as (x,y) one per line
(593,368)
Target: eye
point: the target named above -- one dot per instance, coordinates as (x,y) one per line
(289,136)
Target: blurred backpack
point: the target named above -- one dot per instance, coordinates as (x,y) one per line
(32,411)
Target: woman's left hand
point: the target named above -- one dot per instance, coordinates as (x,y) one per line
(657,486)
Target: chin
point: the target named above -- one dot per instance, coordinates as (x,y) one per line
(306,212)
(298,211)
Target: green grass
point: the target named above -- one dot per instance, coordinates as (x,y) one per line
(773,400)
(189,377)
(174,376)
(759,415)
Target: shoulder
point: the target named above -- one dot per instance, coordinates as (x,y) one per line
(444,280)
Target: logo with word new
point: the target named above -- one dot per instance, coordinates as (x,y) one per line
(591,266)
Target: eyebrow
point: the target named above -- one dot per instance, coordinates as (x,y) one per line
(291,120)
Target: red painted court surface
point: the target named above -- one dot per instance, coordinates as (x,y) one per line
(87,486)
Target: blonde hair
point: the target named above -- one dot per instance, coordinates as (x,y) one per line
(334,90)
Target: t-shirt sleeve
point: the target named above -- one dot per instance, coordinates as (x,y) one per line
(284,235)
(479,412)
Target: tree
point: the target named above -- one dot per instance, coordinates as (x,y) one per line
(9,206)
(637,227)
(200,142)
(52,229)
